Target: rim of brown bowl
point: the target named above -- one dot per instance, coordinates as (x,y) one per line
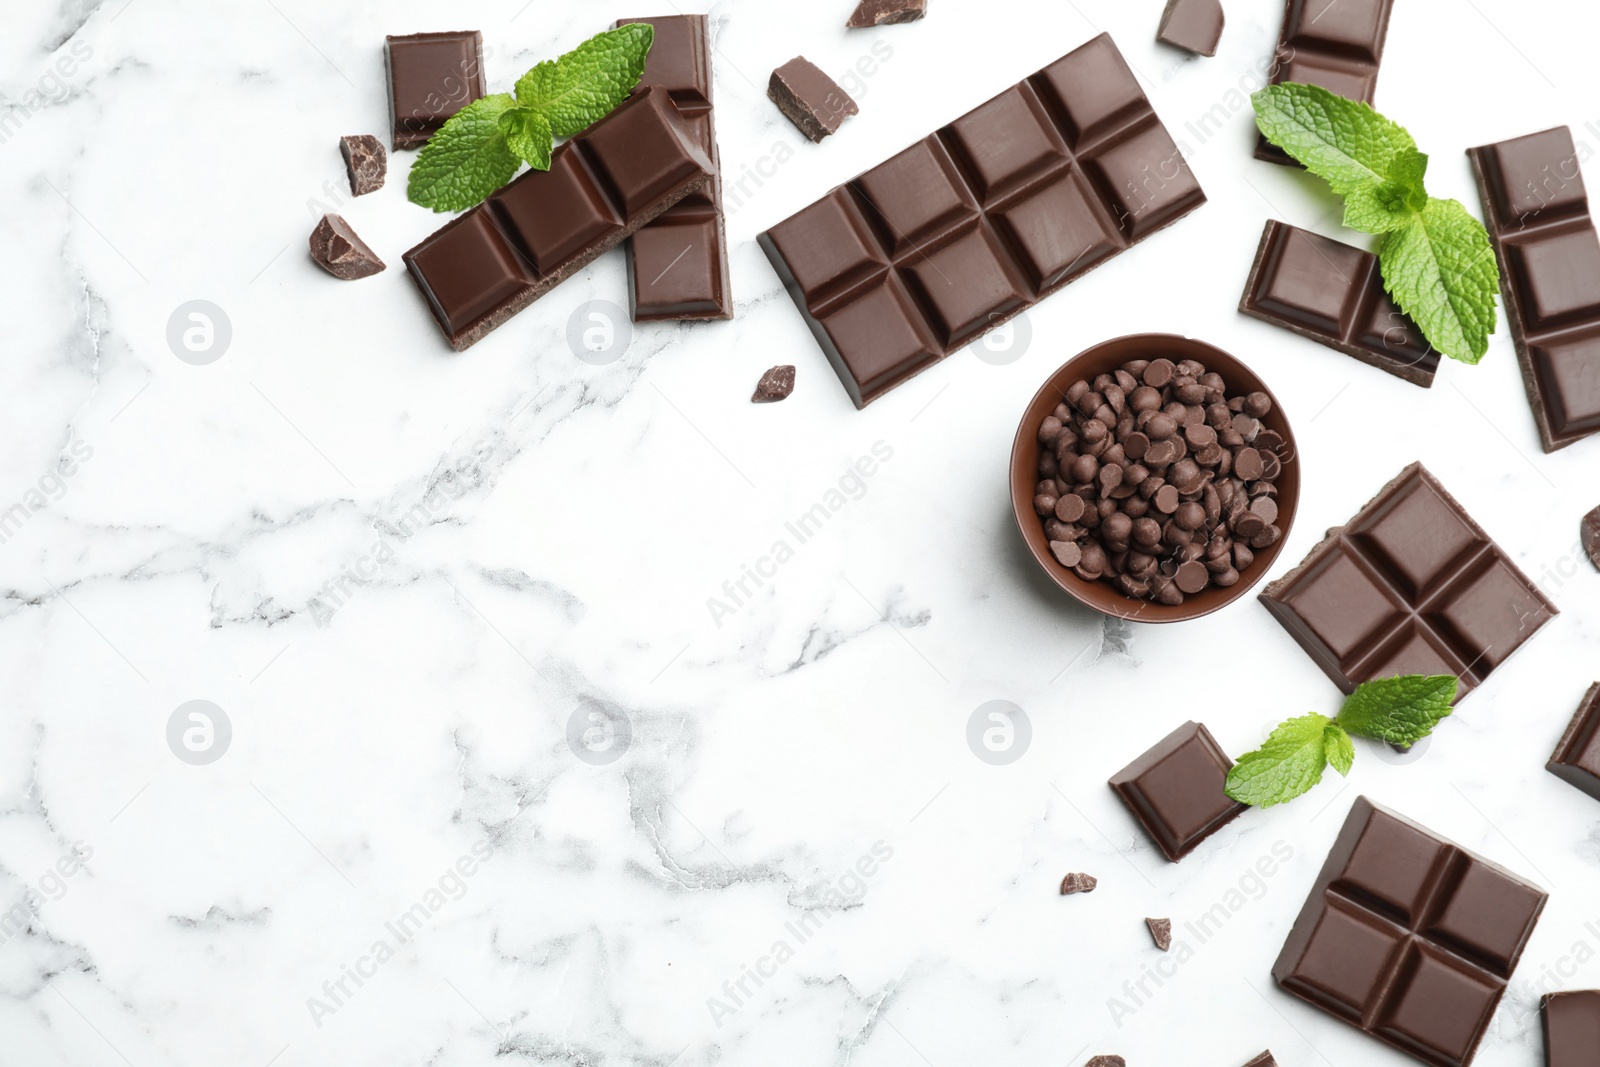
(1101,359)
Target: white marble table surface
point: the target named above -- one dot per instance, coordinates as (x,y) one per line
(400,573)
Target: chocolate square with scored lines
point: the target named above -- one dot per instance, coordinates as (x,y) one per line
(1175,790)
(431,77)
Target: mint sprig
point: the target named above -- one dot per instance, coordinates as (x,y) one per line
(1435,257)
(1400,711)
(481,147)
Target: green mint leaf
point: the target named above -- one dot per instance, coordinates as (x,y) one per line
(1401,711)
(466,160)
(1441,270)
(1289,764)
(1341,750)
(583,86)
(528,134)
(1389,205)
(1342,141)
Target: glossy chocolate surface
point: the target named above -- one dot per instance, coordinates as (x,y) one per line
(1571,1024)
(1175,790)
(1192,25)
(1577,758)
(1337,44)
(431,77)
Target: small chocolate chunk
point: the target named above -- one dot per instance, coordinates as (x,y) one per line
(1591,536)
(365,162)
(431,77)
(337,250)
(1263,1060)
(886,13)
(1161,933)
(1107,1061)
(810,99)
(1571,1024)
(1078,883)
(774,385)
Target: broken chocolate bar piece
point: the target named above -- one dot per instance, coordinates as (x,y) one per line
(1192,25)
(337,250)
(1107,1061)
(1571,1023)
(365,161)
(431,77)
(1177,790)
(1335,44)
(1263,1060)
(1577,758)
(1078,883)
(810,99)
(1161,933)
(774,385)
(1591,537)
(886,13)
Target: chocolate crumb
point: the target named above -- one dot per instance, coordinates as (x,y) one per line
(886,13)
(1161,932)
(1263,1060)
(337,250)
(1107,1061)
(1078,883)
(365,161)
(774,385)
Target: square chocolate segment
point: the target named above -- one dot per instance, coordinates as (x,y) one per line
(985,217)
(642,151)
(552,219)
(1176,790)
(1409,937)
(468,269)
(1337,44)
(1409,586)
(431,77)
(1537,212)
(1571,1024)
(1577,758)
(1333,294)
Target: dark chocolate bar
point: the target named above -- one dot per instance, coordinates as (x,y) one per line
(965,229)
(1571,1024)
(1577,758)
(1333,294)
(1337,44)
(1408,937)
(1538,217)
(431,77)
(1175,790)
(602,187)
(1411,585)
(678,265)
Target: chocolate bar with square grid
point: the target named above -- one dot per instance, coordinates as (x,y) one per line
(1333,294)
(1409,937)
(1337,44)
(965,229)
(1411,585)
(1538,217)
(602,187)
(678,265)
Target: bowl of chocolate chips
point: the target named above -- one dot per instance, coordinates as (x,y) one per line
(1155,478)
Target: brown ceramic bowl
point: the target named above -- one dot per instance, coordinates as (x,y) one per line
(1102,359)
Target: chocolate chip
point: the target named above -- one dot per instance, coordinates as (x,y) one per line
(1248,465)
(1166,499)
(1159,373)
(776,384)
(1266,507)
(1067,554)
(1078,883)
(1258,405)
(1161,933)
(1069,508)
(1192,577)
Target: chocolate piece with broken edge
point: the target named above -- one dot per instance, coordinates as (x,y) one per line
(1161,933)
(1337,45)
(1077,882)
(1107,1061)
(336,249)
(1537,213)
(366,164)
(1410,585)
(810,99)
(431,77)
(1176,790)
(678,265)
(1408,937)
(1571,1025)
(602,187)
(961,232)
(1263,1060)
(776,384)
(1590,534)
(1576,760)
(1192,25)
(886,13)
(1333,293)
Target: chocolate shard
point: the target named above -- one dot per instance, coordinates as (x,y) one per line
(776,384)
(678,265)
(810,99)
(365,162)
(602,187)
(1078,883)
(1161,933)
(1338,46)
(1577,758)
(1411,585)
(431,77)
(1263,1060)
(337,250)
(1333,294)
(1192,25)
(1537,213)
(1408,937)
(886,13)
(958,234)
(1107,1061)
(1571,1024)
(1176,790)
(1591,536)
